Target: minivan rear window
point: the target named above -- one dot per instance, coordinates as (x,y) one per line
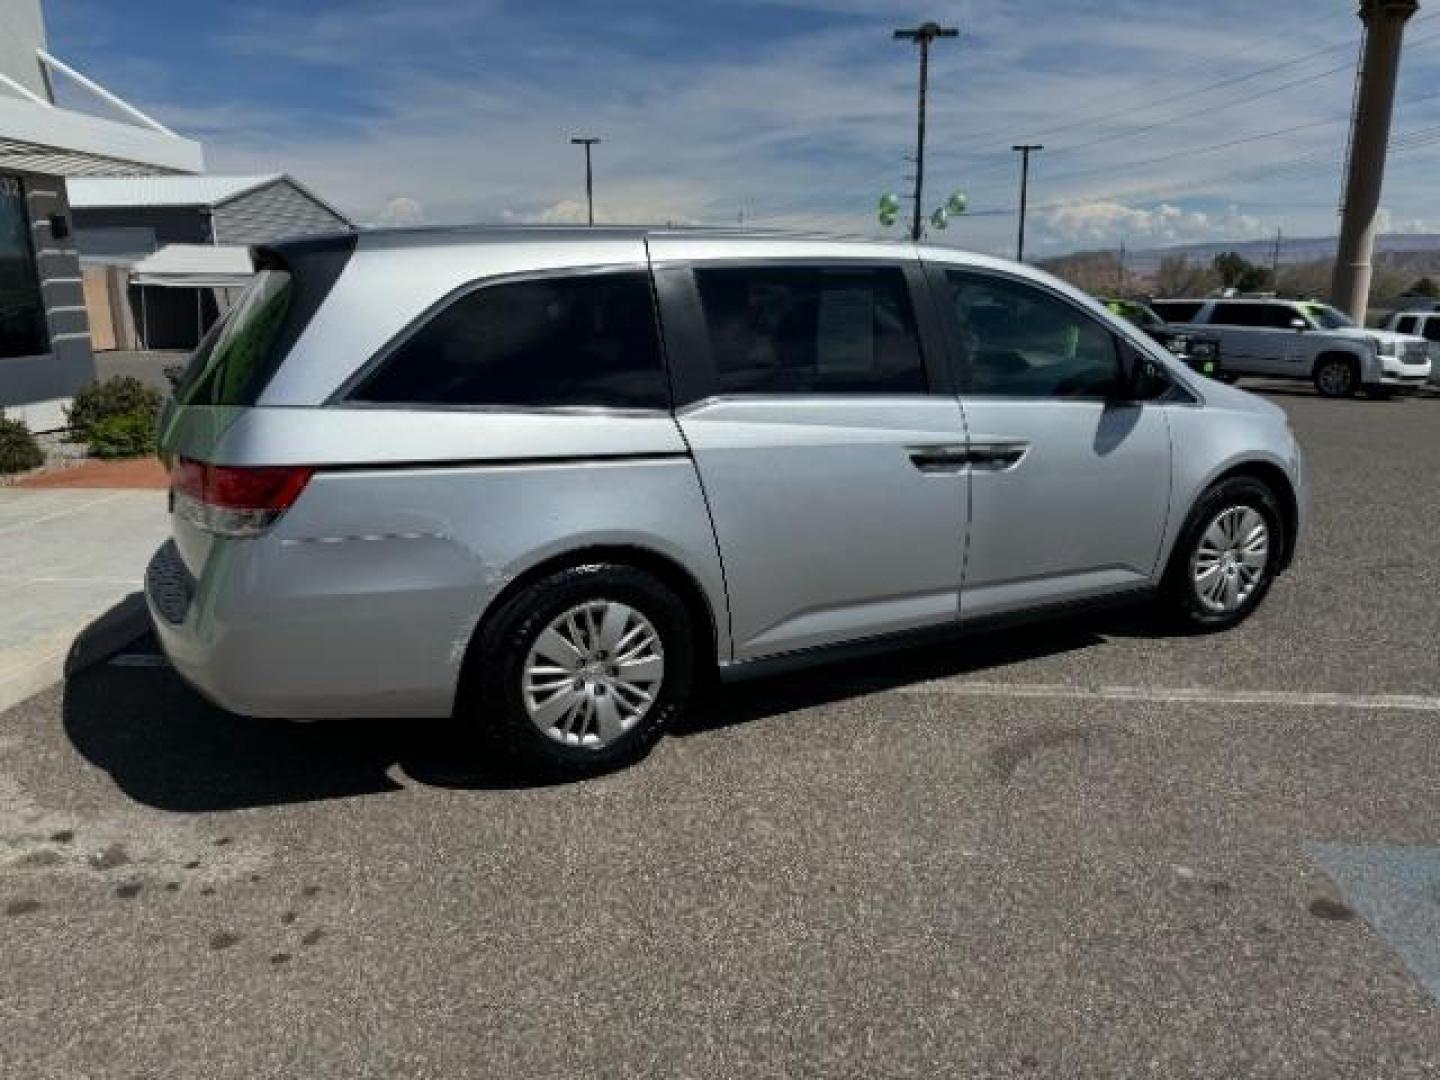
(228,365)
(236,360)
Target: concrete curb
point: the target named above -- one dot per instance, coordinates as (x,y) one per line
(64,655)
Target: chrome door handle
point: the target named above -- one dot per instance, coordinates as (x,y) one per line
(942,458)
(998,455)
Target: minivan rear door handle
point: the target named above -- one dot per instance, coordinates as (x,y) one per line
(939,458)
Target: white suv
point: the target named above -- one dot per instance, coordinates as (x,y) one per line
(1425,324)
(1303,339)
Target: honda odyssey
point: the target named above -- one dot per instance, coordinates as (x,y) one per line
(548,479)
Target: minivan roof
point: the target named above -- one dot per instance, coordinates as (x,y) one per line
(456,235)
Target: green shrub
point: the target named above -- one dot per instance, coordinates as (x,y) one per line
(130,434)
(18,449)
(123,395)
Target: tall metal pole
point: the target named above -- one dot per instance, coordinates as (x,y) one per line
(922,35)
(587,142)
(1025,150)
(1370,133)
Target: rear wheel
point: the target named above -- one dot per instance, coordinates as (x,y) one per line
(1336,377)
(1227,556)
(581,671)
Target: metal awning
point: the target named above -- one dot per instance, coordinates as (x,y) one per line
(194,266)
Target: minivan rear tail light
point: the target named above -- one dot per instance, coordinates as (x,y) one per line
(235,500)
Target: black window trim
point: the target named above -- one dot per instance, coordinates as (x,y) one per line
(687,335)
(340,397)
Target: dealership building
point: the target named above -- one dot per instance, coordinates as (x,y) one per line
(44,333)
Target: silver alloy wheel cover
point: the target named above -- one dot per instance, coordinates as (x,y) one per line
(1230,559)
(1335,378)
(593,673)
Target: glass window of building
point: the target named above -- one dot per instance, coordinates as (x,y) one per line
(22,309)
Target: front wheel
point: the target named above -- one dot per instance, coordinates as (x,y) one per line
(581,671)
(1336,377)
(1227,556)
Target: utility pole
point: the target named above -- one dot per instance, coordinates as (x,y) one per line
(587,142)
(1275,263)
(1120,268)
(1025,150)
(922,35)
(1369,135)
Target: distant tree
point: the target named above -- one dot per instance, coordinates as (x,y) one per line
(1238,272)
(1307,280)
(1178,276)
(1096,272)
(1426,286)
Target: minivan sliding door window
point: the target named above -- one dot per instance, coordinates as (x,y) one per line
(811,330)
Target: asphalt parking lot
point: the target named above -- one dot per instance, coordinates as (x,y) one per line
(1083,850)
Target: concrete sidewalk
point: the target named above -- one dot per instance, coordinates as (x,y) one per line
(68,557)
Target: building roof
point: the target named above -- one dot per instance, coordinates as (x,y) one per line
(104,192)
(194,265)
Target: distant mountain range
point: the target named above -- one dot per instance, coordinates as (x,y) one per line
(1298,250)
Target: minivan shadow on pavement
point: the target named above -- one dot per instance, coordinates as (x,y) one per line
(962,655)
(167,747)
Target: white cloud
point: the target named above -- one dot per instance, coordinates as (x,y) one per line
(1108,222)
(401,210)
(1386,222)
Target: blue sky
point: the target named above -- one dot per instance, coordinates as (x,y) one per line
(788,112)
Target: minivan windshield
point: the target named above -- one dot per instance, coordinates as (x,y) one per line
(233,362)
(1326,317)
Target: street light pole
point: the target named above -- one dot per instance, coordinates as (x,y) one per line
(1025,150)
(922,35)
(588,142)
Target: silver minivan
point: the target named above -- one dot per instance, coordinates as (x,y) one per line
(550,479)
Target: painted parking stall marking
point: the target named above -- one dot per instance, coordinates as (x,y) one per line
(1183,695)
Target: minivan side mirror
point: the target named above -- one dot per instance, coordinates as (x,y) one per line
(1298,323)
(1136,372)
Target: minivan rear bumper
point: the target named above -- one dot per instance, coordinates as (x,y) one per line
(256,658)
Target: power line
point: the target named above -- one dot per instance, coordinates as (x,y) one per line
(1210,109)
(1169,77)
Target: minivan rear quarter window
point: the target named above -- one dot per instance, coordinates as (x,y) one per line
(811,330)
(578,340)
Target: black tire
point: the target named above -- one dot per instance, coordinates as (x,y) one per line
(492,694)
(1180,597)
(1336,377)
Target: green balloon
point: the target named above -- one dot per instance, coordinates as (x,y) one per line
(889,203)
(957,202)
(940,218)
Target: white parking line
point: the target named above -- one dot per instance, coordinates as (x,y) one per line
(1185,695)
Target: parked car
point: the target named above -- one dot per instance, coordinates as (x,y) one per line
(549,479)
(1425,324)
(1304,339)
(1200,351)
